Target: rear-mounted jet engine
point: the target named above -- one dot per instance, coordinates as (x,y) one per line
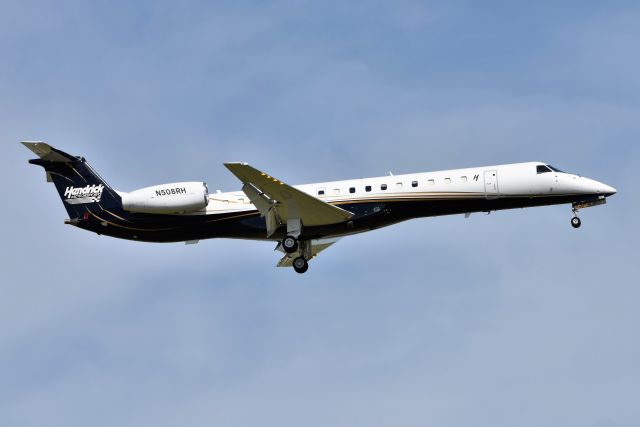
(174,198)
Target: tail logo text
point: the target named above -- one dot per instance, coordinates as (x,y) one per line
(88,194)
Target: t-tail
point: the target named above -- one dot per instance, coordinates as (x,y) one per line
(81,189)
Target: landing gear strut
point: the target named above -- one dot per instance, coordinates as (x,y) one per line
(300,265)
(575,221)
(291,244)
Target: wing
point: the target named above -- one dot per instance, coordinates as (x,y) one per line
(279,202)
(317,246)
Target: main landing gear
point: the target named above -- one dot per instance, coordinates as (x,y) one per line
(290,244)
(300,265)
(294,247)
(575,221)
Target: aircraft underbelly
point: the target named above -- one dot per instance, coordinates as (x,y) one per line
(250,225)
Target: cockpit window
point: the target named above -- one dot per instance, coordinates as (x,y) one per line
(554,169)
(542,169)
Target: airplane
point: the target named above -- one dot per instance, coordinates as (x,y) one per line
(303,220)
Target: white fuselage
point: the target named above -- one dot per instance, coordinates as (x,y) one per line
(510,180)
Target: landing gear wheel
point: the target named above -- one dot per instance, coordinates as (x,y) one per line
(290,244)
(575,222)
(300,265)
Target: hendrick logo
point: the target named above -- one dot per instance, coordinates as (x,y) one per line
(88,194)
(170,191)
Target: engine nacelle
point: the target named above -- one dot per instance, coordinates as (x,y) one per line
(178,197)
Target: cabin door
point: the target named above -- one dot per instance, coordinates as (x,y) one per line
(491,184)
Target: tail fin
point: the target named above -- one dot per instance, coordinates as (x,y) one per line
(79,186)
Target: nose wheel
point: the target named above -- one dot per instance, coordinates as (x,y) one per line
(575,221)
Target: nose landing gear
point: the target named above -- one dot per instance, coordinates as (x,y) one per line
(575,221)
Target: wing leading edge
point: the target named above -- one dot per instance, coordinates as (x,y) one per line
(279,202)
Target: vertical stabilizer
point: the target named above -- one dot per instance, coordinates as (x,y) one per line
(79,186)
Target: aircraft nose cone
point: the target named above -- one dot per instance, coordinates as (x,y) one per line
(590,186)
(608,190)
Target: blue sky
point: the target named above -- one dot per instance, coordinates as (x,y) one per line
(508,319)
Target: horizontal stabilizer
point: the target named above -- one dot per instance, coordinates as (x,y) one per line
(48,153)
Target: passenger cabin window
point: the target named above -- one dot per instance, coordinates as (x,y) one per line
(367,188)
(352,190)
(542,169)
(398,185)
(320,192)
(336,191)
(447,180)
(383,186)
(414,183)
(463,178)
(431,182)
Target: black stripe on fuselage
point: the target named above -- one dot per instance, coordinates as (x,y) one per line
(368,215)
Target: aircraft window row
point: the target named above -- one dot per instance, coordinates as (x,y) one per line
(414,184)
